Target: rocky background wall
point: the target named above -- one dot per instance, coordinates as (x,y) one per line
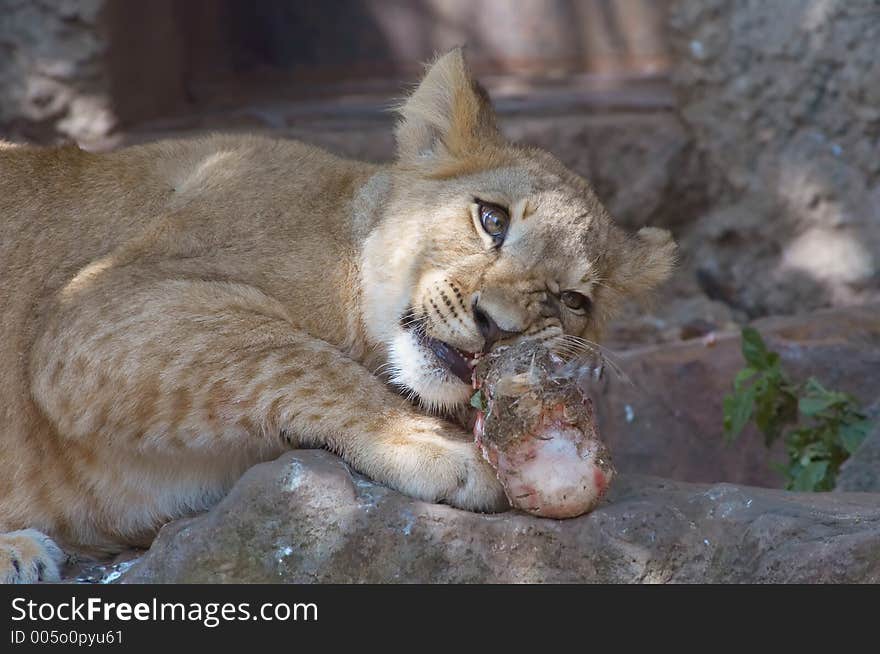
(85,69)
(53,70)
(782,99)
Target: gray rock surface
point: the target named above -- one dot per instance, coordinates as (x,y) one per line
(52,69)
(306,518)
(782,100)
(754,76)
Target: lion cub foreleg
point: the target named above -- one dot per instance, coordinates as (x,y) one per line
(217,369)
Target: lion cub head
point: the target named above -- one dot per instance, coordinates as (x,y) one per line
(480,242)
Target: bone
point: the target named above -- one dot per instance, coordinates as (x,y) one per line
(536,427)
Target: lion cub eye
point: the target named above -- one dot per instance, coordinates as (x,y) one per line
(577,302)
(494,220)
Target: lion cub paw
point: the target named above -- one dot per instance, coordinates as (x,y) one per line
(475,486)
(29,556)
(479,489)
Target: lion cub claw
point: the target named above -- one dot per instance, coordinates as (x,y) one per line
(480,490)
(29,556)
(474,487)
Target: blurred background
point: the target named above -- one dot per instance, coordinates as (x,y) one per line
(750,129)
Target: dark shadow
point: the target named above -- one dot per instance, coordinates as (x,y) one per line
(306,37)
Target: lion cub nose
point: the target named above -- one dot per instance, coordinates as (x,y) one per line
(489,329)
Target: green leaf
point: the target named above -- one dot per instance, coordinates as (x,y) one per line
(852,435)
(788,405)
(766,413)
(742,377)
(813,405)
(737,411)
(478,401)
(817,398)
(775,407)
(765,394)
(815,451)
(821,427)
(753,349)
(810,476)
(814,387)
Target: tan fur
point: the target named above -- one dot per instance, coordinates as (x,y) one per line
(176,312)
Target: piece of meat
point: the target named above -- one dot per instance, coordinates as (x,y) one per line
(536,427)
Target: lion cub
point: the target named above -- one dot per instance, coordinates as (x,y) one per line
(174,313)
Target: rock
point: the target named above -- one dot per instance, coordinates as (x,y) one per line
(52,71)
(102,571)
(752,77)
(675,314)
(668,421)
(306,518)
(780,98)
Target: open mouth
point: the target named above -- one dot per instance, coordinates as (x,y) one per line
(459,362)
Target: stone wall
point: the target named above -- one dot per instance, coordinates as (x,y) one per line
(80,68)
(783,99)
(52,71)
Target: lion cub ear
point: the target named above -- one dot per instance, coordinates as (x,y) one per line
(449,113)
(647,260)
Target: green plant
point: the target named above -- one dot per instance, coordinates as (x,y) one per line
(820,427)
